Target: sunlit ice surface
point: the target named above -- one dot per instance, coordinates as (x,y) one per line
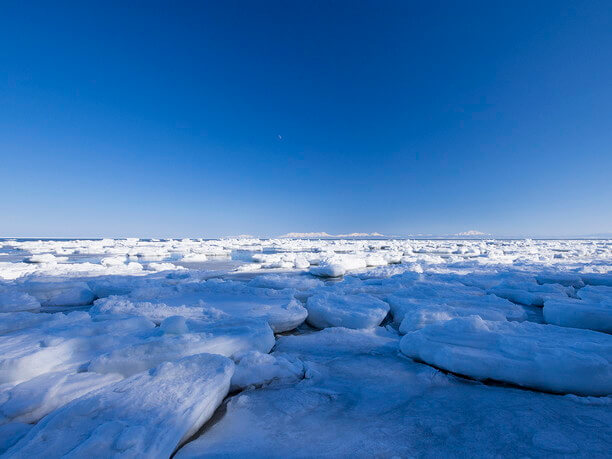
(306,347)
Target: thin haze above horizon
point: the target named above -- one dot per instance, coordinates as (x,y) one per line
(202,119)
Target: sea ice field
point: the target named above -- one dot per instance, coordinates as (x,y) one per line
(296,347)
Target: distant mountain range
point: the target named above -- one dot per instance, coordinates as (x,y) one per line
(472,233)
(324,234)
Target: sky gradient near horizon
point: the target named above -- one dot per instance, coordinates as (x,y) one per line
(201,119)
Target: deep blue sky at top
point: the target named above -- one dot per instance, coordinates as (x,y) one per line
(213,118)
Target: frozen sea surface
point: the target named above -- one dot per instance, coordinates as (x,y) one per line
(305,347)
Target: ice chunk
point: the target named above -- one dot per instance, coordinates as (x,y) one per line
(328,269)
(374,260)
(350,311)
(42,258)
(59,293)
(338,265)
(597,279)
(108,286)
(301,262)
(147,415)
(254,368)
(596,294)
(175,325)
(419,313)
(529,293)
(562,278)
(579,314)
(194,258)
(33,399)
(278,281)
(64,343)
(544,357)
(405,298)
(14,300)
(335,341)
(155,311)
(158,267)
(13,321)
(592,311)
(113,261)
(278,307)
(226,337)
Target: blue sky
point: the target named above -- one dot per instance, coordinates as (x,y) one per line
(222,118)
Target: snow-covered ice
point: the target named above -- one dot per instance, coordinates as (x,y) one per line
(358,398)
(33,399)
(592,309)
(147,415)
(254,368)
(351,311)
(326,346)
(278,307)
(423,303)
(184,337)
(544,357)
(59,292)
(66,343)
(14,300)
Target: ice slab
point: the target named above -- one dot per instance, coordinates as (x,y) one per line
(338,265)
(350,311)
(31,400)
(405,298)
(255,368)
(147,415)
(59,292)
(278,307)
(418,313)
(180,337)
(596,294)
(530,293)
(279,282)
(155,311)
(65,342)
(543,357)
(12,300)
(592,310)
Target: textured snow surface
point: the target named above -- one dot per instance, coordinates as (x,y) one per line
(331,347)
(358,398)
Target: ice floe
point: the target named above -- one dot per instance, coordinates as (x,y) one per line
(278,307)
(254,368)
(592,309)
(14,300)
(544,357)
(350,311)
(179,337)
(147,415)
(31,400)
(64,343)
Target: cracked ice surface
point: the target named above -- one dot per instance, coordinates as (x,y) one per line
(335,347)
